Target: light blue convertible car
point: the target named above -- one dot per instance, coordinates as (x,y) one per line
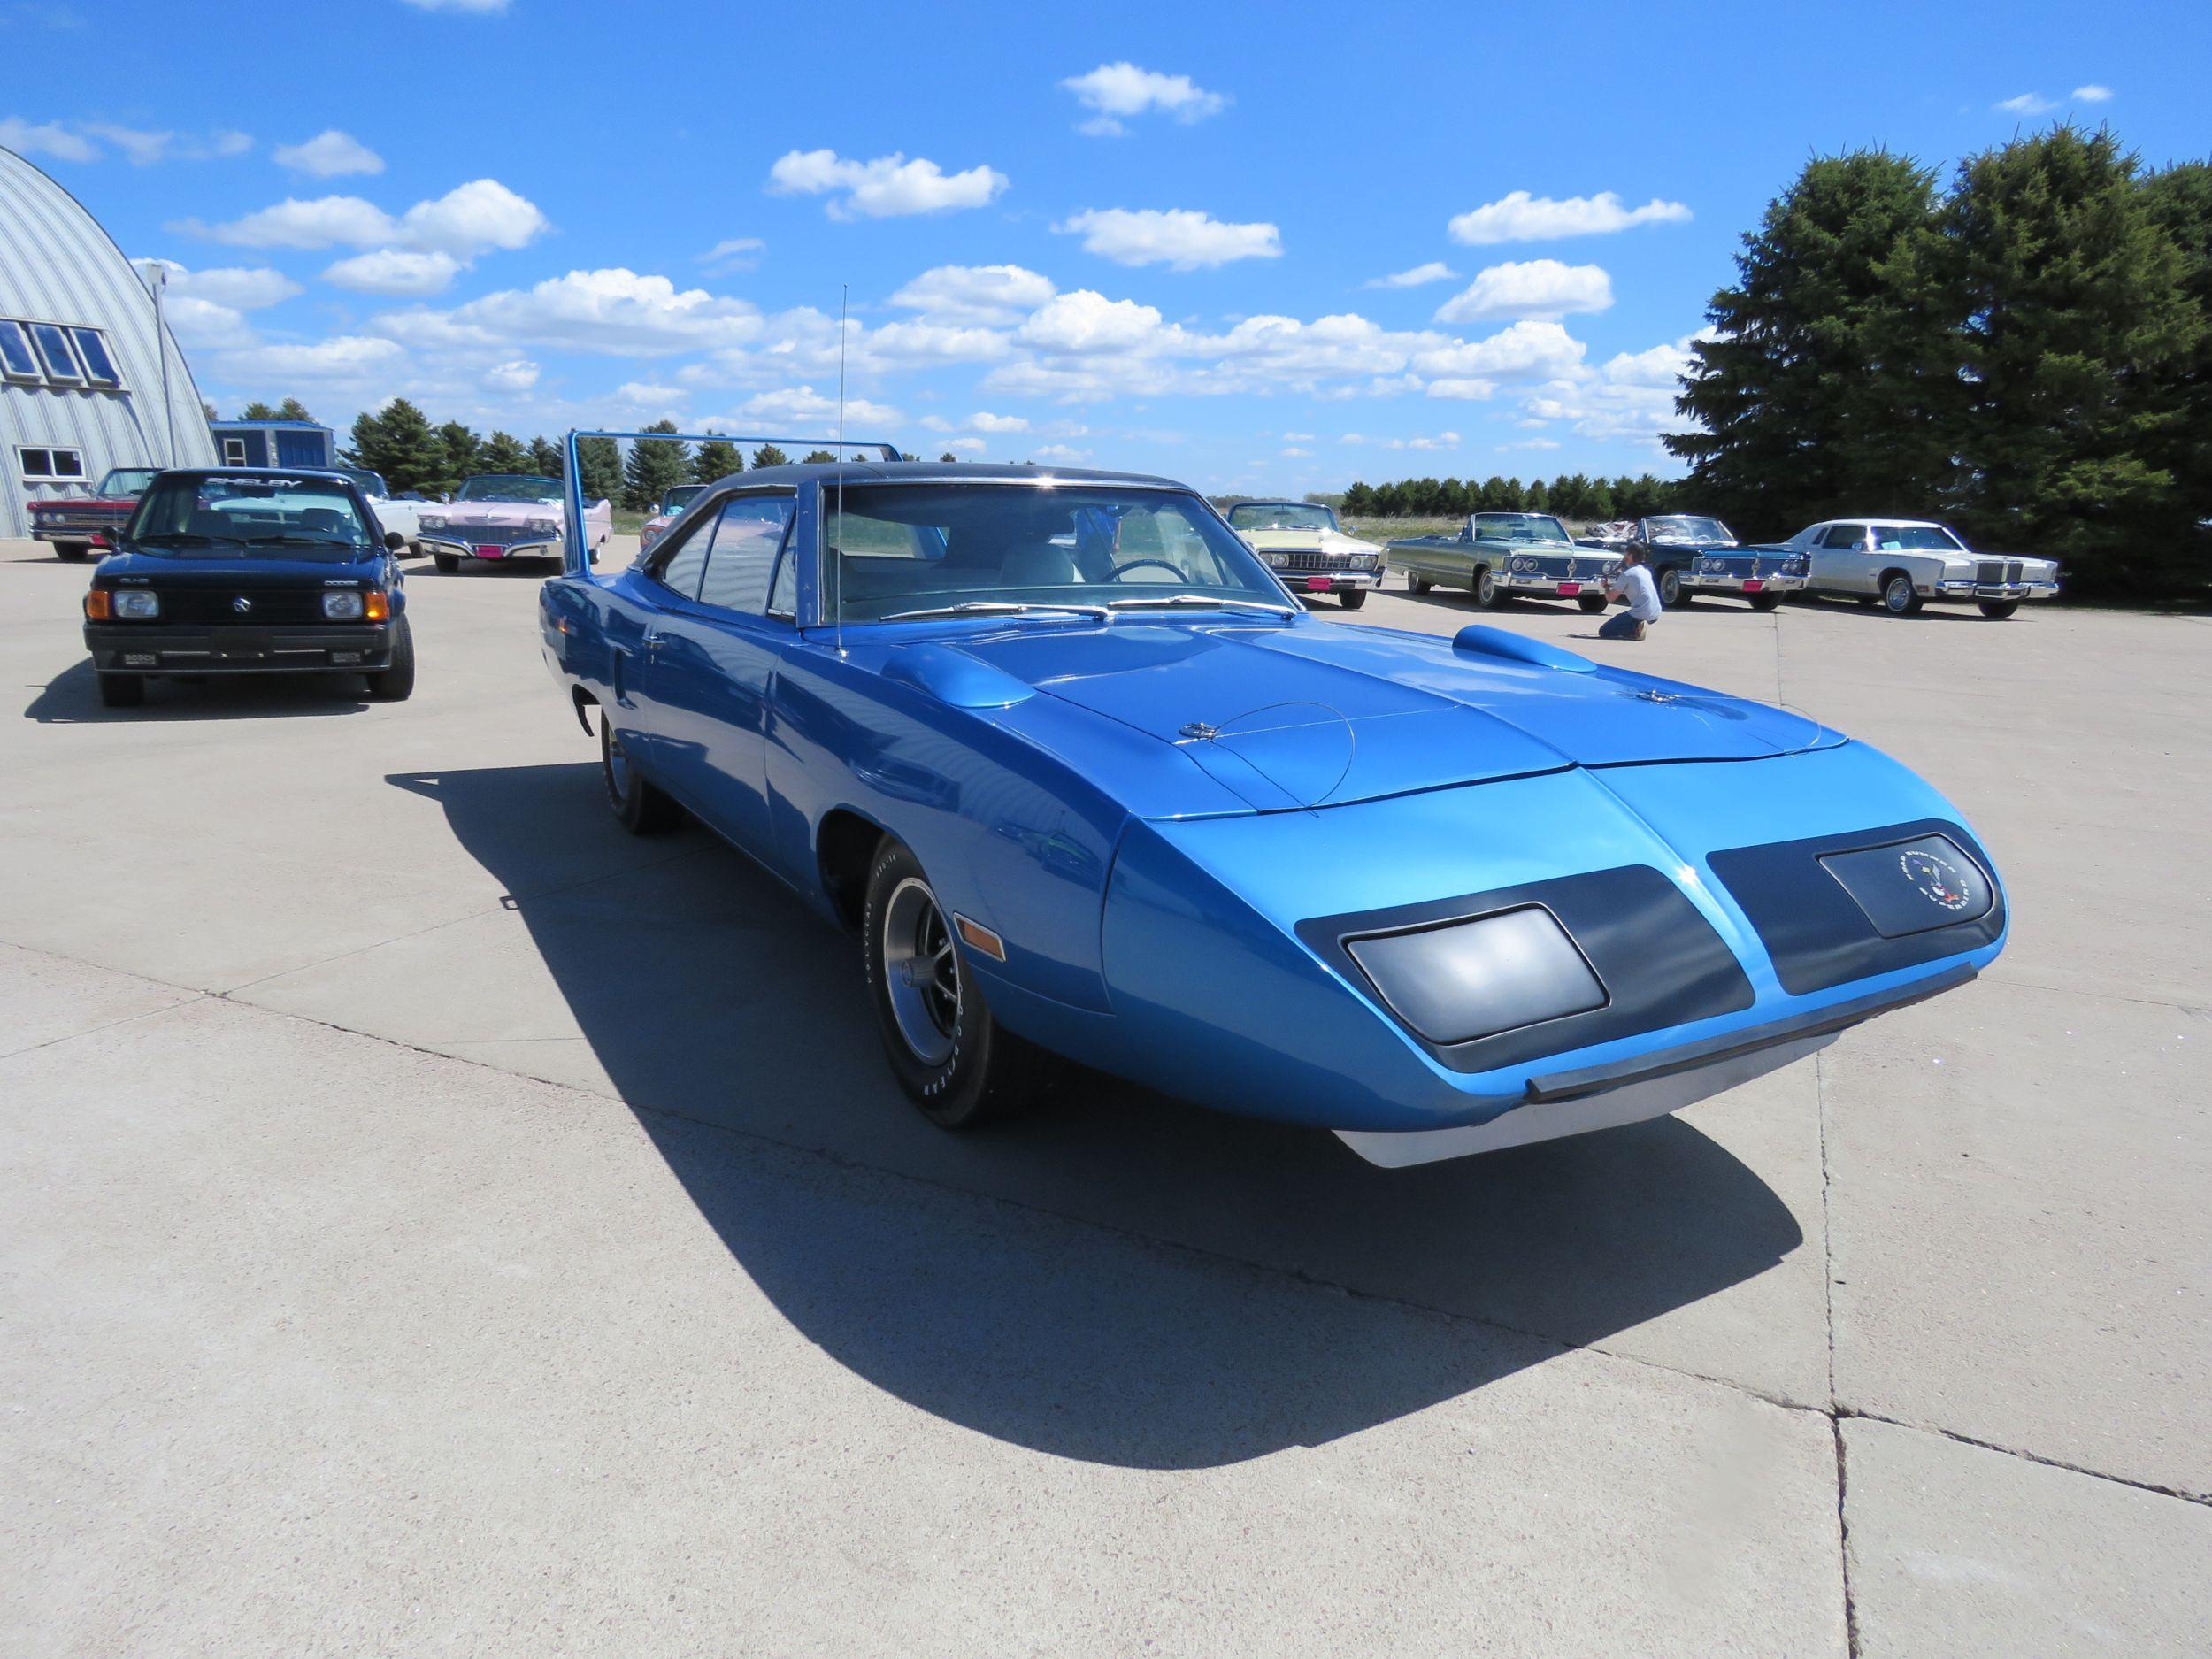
(1089,784)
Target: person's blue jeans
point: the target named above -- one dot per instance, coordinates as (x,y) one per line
(1623,627)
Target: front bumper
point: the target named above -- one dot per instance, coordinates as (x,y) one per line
(1331,582)
(155,649)
(86,532)
(1992,590)
(1554,586)
(1734,583)
(455,545)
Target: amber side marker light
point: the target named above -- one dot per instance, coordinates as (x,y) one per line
(375,608)
(977,937)
(96,605)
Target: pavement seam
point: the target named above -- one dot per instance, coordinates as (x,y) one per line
(186,1000)
(1828,1316)
(2000,978)
(1843,1535)
(1834,1415)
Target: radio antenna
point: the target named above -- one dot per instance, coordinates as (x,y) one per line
(844,298)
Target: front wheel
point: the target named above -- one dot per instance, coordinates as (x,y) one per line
(1353,598)
(449,563)
(1998,610)
(1592,603)
(396,683)
(1766,602)
(72,551)
(1488,593)
(1898,597)
(641,809)
(122,691)
(1670,594)
(1417,584)
(953,1059)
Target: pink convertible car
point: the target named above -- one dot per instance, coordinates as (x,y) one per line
(509,516)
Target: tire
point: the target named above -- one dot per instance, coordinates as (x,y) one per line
(955,1062)
(449,563)
(1998,610)
(1898,597)
(1670,594)
(73,552)
(1591,603)
(1766,602)
(396,683)
(1488,593)
(640,807)
(1417,584)
(122,691)
(1353,598)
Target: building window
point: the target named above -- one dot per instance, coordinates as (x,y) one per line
(99,367)
(233,452)
(52,341)
(51,466)
(15,352)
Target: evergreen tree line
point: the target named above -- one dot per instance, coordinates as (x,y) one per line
(2026,355)
(1571,495)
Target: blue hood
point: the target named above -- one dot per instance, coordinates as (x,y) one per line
(1316,713)
(225,567)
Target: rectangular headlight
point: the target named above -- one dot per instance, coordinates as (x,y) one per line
(341,607)
(136,602)
(1468,979)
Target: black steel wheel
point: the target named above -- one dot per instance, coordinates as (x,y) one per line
(640,807)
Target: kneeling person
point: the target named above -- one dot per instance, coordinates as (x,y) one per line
(1633,584)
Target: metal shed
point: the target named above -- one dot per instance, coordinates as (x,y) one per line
(81,359)
(274,443)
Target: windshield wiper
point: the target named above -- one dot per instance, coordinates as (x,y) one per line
(992,608)
(1166,600)
(296,540)
(183,538)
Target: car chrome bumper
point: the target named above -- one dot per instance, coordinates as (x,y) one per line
(1557,587)
(446,541)
(1327,582)
(1727,584)
(1996,590)
(70,532)
(357,648)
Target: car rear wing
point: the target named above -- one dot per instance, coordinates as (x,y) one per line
(576,556)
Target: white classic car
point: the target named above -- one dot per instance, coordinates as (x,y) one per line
(509,516)
(1304,544)
(1903,563)
(392,512)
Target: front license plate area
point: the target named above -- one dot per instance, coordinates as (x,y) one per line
(1568,589)
(485,550)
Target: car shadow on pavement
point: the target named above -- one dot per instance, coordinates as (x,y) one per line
(715,1000)
(73,696)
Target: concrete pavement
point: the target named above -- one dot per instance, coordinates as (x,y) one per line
(428,1217)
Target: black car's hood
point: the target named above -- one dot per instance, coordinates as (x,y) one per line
(227,567)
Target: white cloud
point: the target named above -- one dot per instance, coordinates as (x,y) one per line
(982,421)
(1530,350)
(1295,453)
(618,312)
(1520,216)
(1297,437)
(2028,103)
(241,287)
(1661,367)
(142,147)
(1473,389)
(398,271)
(987,293)
(49,139)
(206,325)
(328,155)
(2092,94)
(343,357)
(467,220)
(965,446)
(518,375)
(1441,441)
(890,187)
(1059,452)
(1532,443)
(1087,320)
(640,394)
(1178,238)
(733,253)
(798,405)
(1121,90)
(1434,271)
(1532,287)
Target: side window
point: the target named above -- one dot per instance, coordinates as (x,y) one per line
(748,532)
(681,566)
(783,597)
(1844,535)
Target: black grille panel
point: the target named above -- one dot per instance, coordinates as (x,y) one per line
(1988,573)
(266,607)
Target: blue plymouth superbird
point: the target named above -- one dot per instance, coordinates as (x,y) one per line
(1089,783)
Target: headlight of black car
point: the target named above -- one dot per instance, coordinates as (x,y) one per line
(341,606)
(1475,978)
(137,604)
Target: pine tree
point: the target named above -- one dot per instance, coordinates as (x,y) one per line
(816,457)
(655,465)
(546,459)
(292,408)
(257,410)
(504,452)
(717,459)
(398,443)
(2180,199)
(600,461)
(463,449)
(949,456)
(768,455)
(1828,383)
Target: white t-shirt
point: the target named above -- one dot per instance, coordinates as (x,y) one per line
(1635,585)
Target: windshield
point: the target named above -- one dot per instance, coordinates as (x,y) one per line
(898,548)
(679,498)
(372,483)
(128,481)
(1687,527)
(511,487)
(1519,527)
(1280,515)
(1917,538)
(286,515)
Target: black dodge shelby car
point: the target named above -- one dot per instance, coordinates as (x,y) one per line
(246,570)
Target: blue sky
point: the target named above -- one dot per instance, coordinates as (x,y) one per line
(1149,237)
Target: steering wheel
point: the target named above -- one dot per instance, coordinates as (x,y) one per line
(1176,571)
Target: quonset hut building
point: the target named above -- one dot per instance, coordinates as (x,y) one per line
(81,358)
